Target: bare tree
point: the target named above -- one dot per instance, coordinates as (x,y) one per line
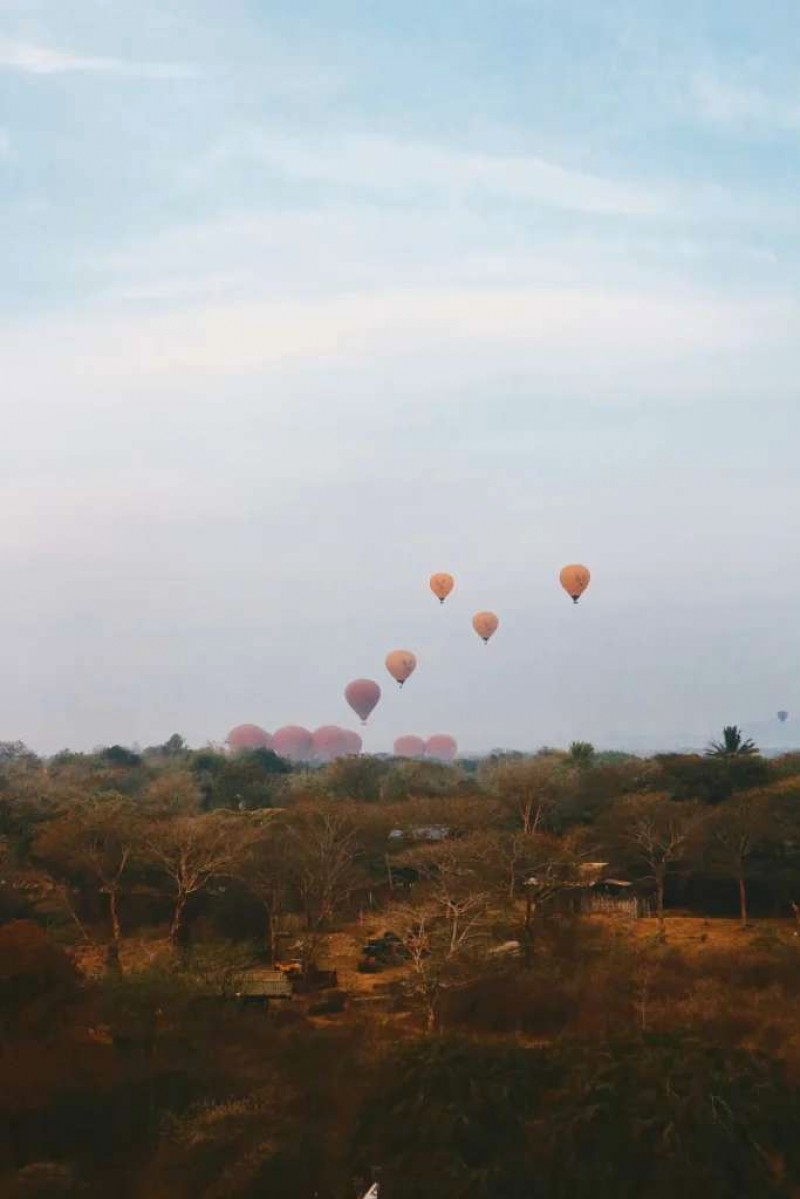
(322,851)
(657,832)
(94,840)
(443,933)
(193,851)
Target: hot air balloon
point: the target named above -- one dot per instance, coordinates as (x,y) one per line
(293,742)
(409,747)
(441,585)
(441,747)
(248,736)
(328,742)
(401,664)
(575,580)
(783,717)
(362,696)
(352,743)
(485,624)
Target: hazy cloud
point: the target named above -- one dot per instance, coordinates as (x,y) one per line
(33,59)
(743,106)
(383,164)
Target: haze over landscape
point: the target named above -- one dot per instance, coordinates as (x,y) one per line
(305,304)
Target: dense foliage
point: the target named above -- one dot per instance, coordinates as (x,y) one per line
(497,1039)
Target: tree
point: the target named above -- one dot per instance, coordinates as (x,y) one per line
(656,831)
(445,928)
(17,751)
(582,754)
(355,778)
(732,745)
(322,851)
(37,980)
(529,789)
(194,851)
(649,1116)
(735,832)
(440,933)
(119,755)
(267,874)
(247,782)
(95,841)
(172,793)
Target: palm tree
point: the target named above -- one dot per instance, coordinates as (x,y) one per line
(732,745)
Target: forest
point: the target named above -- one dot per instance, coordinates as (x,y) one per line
(552,975)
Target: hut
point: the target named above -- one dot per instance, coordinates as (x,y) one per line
(260,986)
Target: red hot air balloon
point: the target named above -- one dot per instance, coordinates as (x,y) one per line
(248,736)
(409,747)
(353,743)
(441,747)
(293,742)
(328,742)
(362,696)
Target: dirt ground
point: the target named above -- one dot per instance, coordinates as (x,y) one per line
(689,933)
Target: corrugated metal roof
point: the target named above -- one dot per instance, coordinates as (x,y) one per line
(270,983)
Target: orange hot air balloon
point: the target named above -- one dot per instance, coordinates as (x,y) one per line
(409,747)
(248,736)
(441,747)
(362,696)
(293,742)
(485,624)
(441,585)
(352,742)
(575,580)
(401,664)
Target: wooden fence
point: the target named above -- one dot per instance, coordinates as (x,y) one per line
(633,906)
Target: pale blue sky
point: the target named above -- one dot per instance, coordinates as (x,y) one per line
(303,302)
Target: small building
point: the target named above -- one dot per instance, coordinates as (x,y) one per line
(595,890)
(260,986)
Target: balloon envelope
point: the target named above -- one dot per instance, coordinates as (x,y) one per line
(328,742)
(401,664)
(441,747)
(362,696)
(293,742)
(485,624)
(575,579)
(352,742)
(783,716)
(409,747)
(248,736)
(441,585)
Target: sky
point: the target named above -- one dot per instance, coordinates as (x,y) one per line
(301,303)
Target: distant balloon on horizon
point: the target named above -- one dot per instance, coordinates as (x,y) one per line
(362,695)
(328,742)
(401,664)
(441,584)
(485,624)
(293,742)
(248,736)
(441,747)
(575,579)
(783,716)
(409,747)
(352,742)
